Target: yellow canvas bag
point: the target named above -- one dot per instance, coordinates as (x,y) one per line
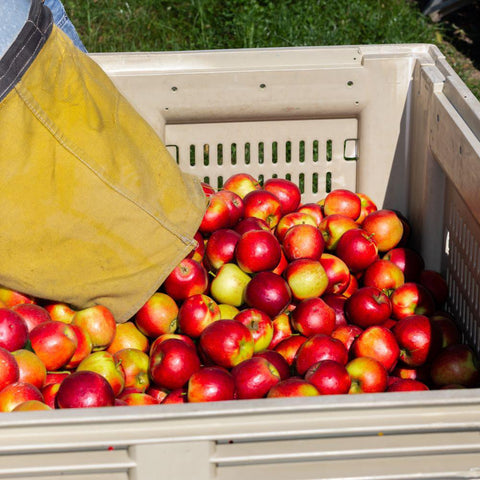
(93,208)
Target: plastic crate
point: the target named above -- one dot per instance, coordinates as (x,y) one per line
(393,121)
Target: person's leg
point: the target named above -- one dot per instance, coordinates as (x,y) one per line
(62,21)
(14,14)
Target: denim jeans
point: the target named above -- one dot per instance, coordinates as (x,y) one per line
(63,22)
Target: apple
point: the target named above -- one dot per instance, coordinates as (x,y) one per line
(235,205)
(158,393)
(411,298)
(187,278)
(337,272)
(31,405)
(337,303)
(456,364)
(408,260)
(329,377)
(54,343)
(254,377)
(56,377)
(317,348)
(260,326)
(347,334)
(303,241)
(216,215)
(380,343)
(13,330)
(9,369)
(290,220)
(127,335)
(178,395)
(357,249)
(367,375)
(306,278)
(104,363)
(172,362)
(406,385)
(251,223)
(333,227)
(241,184)
(208,190)
(343,202)
(351,287)
(138,398)
(11,297)
(257,251)
(210,384)
(31,369)
(420,373)
(436,284)
(385,227)
(384,275)
(227,342)
(49,392)
(32,313)
(229,285)
(293,387)
(367,206)
(314,210)
(157,316)
(198,252)
(312,316)
(289,346)
(227,311)
(368,306)
(84,389)
(16,393)
(220,248)
(282,264)
(60,312)
(287,192)
(99,323)
(269,292)
(178,336)
(444,329)
(414,336)
(277,360)
(264,205)
(281,329)
(196,313)
(134,364)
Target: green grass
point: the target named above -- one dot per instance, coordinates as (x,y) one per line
(156,25)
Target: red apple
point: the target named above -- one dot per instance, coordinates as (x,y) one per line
(99,323)
(333,227)
(343,202)
(456,364)
(32,313)
(172,362)
(303,241)
(329,377)
(227,342)
(286,191)
(414,336)
(380,343)
(409,261)
(282,264)
(257,250)
(406,385)
(337,272)
(196,313)
(293,387)
(16,393)
(199,251)
(11,297)
(269,292)
(289,346)
(445,330)
(159,393)
(312,316)
(317,348)
(31,369)
(54,343)
(9,370)
(135,369)
(436,284)
(167,336)
(220,248)
(207,189)
(347,334)
(178,395)
(367,206)
(157,316)
(368,306)
(241,184)
(420,373)
(281,329)
(189,277)
(357,249)
(13,330)
(251,223)
(127,335)
(229,285)
(385,227)
(235,205)
(60,312)
(411,298)
(277,360)
(216,216)
(138,398)
(337,303)
(384,275)
(210,384)
(84,389)
(352,286)
(290,220)
(264,205)
(367,375)
(306,278)
(314,210)
(260,326)
(254,378)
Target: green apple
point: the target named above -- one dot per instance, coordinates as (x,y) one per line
(229,285)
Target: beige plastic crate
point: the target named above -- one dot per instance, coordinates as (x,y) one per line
(393,121)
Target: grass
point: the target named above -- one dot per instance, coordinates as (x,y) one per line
(156,25)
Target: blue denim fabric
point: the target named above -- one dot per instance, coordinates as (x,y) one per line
(14,14)
(62,21)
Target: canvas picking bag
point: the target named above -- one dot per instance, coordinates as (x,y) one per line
(93,209)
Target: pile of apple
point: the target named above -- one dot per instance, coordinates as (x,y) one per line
(280,298)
